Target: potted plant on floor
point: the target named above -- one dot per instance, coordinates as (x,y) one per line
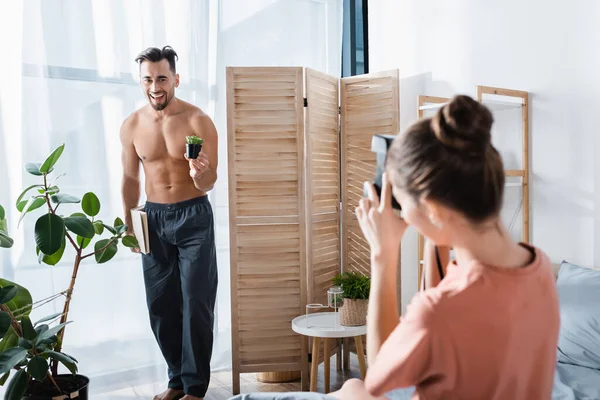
(54,231)
(25,347)
(355,295)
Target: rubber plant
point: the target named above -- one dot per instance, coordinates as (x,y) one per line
(90,237)
(25,347)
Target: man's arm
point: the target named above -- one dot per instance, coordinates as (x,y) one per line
(130,182)
(205,128)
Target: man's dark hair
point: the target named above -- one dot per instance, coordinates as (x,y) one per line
(154,54)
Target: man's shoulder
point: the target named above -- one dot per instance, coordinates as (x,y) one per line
(132,119)
(197,118)
(129,124)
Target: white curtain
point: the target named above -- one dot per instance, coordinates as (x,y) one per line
(68,76)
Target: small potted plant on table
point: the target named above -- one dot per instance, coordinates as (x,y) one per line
(356,289)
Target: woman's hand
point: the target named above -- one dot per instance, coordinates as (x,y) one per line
(382,228)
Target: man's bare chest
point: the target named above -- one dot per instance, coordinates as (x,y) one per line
(156,141)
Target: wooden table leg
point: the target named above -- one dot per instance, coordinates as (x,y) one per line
(314,370)
(360,353)
(338,356)
(346,350)
(326,360)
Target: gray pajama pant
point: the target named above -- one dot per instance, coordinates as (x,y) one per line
(180,276)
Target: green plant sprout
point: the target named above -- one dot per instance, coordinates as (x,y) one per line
(356,286)
(193,140)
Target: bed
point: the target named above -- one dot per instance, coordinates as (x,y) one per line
(577,375)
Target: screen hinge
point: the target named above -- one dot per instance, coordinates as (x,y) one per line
(305,102)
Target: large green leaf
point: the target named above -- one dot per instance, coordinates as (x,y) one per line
(16,388)
(20,305)
(4,378)
(118,222)
(33,168)
(4,323)
(64,198)
(99,227)
(2,212)
(83,242)
(50,332)
(66,360)
(52,259)
(11,339)
(6,241)
(29,332)
(24,192)
(7,293)
(3,226)
(110,229)
(48,318)
(52,159)
(105,251)
(38,367)
(49,233)
(11,357)
(130,241)
(80,226)
(33,203)
(90,204)
(24,343)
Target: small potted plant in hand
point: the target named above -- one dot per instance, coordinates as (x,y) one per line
(193,146)
(356,289)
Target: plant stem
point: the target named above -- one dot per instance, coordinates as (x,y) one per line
(52,210)
(63,318)
(13,322)
(99,250)
(77,249)
(53,381)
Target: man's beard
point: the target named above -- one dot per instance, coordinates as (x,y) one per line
(159,106)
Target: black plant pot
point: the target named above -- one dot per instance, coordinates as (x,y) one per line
(72,387)
(192,150)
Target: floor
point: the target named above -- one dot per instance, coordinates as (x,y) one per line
(220,387)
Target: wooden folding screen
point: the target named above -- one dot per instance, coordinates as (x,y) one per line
(322,183)
(370,105)
(267,221)
(291,168)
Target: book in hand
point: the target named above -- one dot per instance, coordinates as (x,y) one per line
(139,220)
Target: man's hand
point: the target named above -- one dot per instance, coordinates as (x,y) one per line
(199,165)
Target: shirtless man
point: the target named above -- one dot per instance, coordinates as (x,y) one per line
(180,273)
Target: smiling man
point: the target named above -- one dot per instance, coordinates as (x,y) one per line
(180,273)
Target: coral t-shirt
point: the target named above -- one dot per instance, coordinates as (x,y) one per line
(483,333)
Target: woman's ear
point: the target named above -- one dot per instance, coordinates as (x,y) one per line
(435,212)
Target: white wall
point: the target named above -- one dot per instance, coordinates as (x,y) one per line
(547,48)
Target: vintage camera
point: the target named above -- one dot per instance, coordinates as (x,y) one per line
(380,145)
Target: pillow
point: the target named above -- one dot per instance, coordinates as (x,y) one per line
(579,296)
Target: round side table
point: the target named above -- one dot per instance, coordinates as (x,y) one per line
(325,326)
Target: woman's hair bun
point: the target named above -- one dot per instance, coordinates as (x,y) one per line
(464,124)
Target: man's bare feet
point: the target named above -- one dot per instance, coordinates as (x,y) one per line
(188,397)
(170,394)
